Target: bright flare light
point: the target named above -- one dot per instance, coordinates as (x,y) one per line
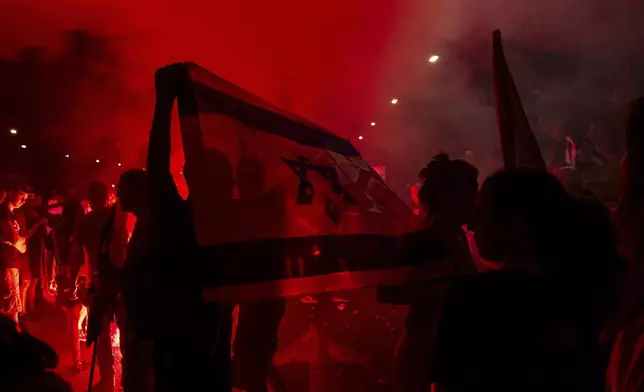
(98,161)
(66,155)
(13,131)
(23,146)
(373,124)
(433,58)
(359,137)
(394,101)
(118,164)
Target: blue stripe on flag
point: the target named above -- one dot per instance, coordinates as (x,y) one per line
(211,101)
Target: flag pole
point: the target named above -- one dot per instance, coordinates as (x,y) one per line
(91,370)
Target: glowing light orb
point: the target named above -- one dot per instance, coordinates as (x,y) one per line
(66,155)
(359,137)
(23,146)
(373,124)
(13,131)
(118,164)
(98,161)
(434,58)
(394,101)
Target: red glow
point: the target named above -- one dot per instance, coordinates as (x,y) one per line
(414,190)
(382,171)
(336,55)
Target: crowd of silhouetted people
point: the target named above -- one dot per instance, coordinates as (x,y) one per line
(556,304)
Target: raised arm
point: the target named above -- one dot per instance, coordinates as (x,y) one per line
(159,146)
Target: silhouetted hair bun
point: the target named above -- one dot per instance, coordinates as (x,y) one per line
(442,173)
(435,164)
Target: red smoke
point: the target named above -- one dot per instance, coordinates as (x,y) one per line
(339,62)
(320,59)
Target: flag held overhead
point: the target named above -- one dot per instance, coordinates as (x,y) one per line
(308,198)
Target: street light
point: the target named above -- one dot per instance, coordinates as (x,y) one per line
(13,131)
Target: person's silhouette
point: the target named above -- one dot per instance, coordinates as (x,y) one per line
(140,285)
(625,368)
(447,196)
(526,326)
(27,362)
(58,247)
(258,321)
(86,243)
(216,167)
(188,348)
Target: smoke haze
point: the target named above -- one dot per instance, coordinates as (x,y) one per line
(338,63)
(596,43)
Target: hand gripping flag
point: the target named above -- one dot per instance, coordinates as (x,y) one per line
(283,207)
(518,144)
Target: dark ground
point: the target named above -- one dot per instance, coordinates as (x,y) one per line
(337,342)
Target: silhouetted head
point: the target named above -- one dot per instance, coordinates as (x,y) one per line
(97,195)
(133,191)
(72,210)
(29,356)
(520,217)
(251,177)
(217,169)
(17,195)
(449,189)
